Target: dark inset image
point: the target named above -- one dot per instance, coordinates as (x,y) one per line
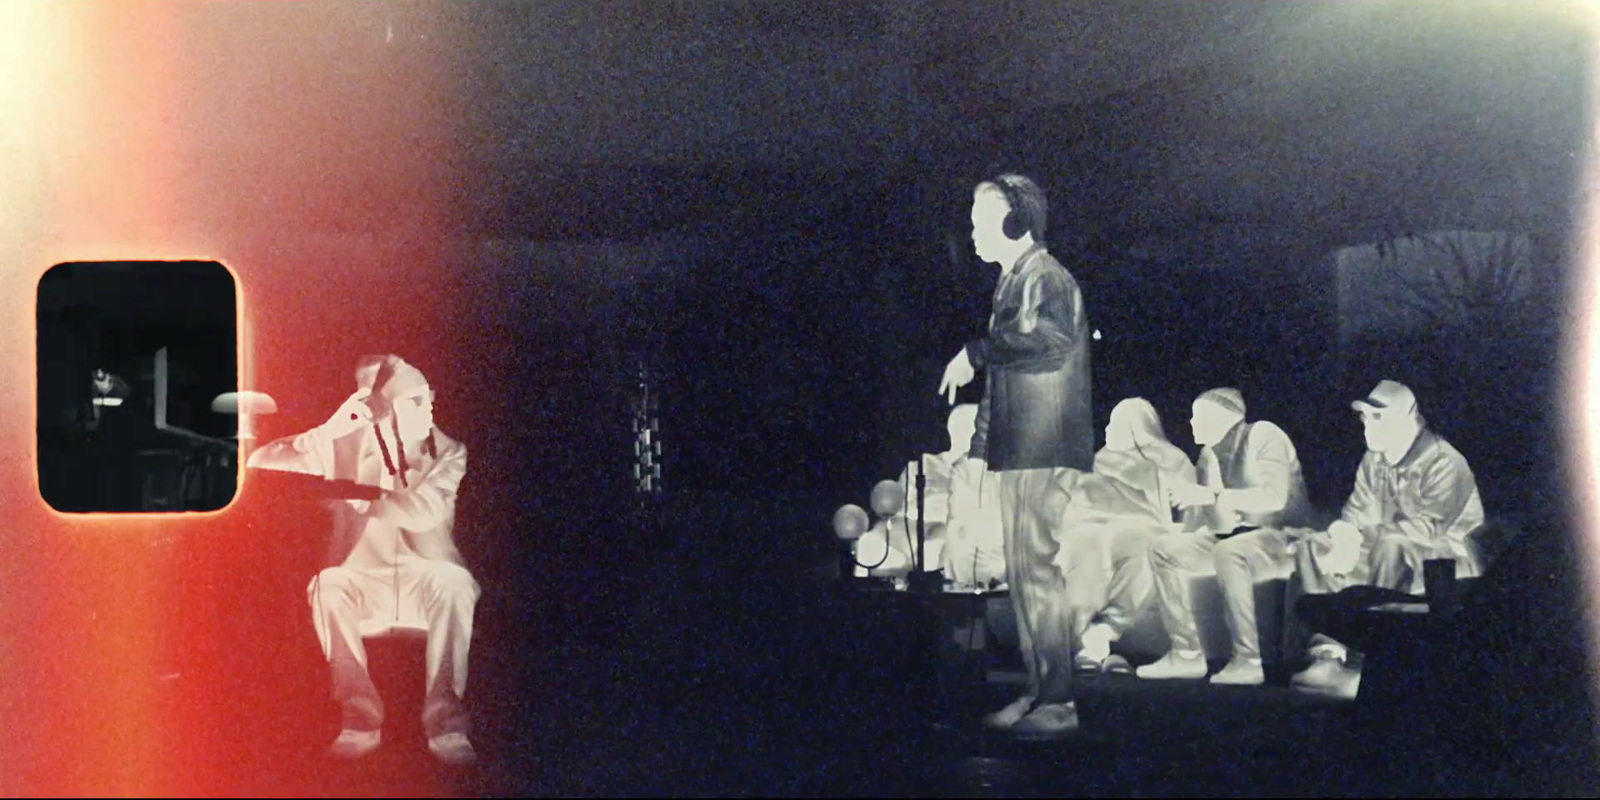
(132,357)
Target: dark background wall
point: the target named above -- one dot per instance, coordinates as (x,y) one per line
(772,202)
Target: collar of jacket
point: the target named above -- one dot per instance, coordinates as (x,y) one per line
(1036,247)
(1230,441)
(1420,448)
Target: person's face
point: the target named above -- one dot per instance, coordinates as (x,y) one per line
(102,381)
(414,415)
(1119,434)
(1210,422)
(1385,429)
(989,211)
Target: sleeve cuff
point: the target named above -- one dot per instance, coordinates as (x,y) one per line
(977,353)
(315,443)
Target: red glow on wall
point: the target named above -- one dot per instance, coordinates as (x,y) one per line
(292,143)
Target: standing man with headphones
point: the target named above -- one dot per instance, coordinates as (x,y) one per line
(1035,429)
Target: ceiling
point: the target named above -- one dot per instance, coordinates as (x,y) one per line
(569,118)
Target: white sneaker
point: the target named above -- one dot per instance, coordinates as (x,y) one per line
(1241,672)
(1007,717)
(452,748)
(1330,678)
(1173,665)
(1048,721)
(354,743)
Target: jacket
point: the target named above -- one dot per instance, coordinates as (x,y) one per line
(1430,497)
(1259,464)
(1037,410)
(415,520)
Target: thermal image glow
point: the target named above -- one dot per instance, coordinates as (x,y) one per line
(163,131)
(1583,357)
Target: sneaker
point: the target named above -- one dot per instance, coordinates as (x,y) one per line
(1006,718)
(1241,672)
(1083,666)
(452,748)
(1329,677)
(1173,665)
(354,743)
(1048,721)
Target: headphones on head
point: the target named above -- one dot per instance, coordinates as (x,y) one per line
(1015,225)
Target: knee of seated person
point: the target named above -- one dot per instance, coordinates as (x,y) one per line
(450,579)
(1041,572)
(1231,551)
(1390,545)
(1161,548)
(332,582)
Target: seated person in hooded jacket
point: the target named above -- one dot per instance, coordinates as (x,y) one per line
(1113,515)
(393,562)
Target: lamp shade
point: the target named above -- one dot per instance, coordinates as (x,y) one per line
(849,522)
(888,498)
(244,403)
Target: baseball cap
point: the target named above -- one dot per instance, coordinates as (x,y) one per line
(1387,394)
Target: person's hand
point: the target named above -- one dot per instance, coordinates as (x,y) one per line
(1189,495)
(1344,548)
(957,373)
(353,415)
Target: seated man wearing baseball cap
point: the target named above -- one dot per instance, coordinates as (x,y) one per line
(1415,499)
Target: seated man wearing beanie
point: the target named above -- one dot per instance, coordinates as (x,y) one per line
(1241,519)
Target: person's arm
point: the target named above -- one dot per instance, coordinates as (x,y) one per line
(1272,460)
(1361,509)
(309,453)
(979,448)
(1195,518)
(1446,487)
(430,501)
(1046,324)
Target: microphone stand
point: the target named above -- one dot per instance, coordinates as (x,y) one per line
(920,579)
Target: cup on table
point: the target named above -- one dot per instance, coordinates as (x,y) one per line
(1439,583)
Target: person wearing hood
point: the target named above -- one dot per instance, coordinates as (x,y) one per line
(393,561)
(1110,521)
(1415,499)
(1241,520)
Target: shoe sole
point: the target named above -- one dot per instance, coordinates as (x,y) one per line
(1322,691)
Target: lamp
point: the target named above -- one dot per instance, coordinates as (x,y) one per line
(849,522)
(246,405)
(870,553)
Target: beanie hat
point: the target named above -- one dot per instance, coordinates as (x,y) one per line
(1227,397)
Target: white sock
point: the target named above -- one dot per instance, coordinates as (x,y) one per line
(1097,642)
